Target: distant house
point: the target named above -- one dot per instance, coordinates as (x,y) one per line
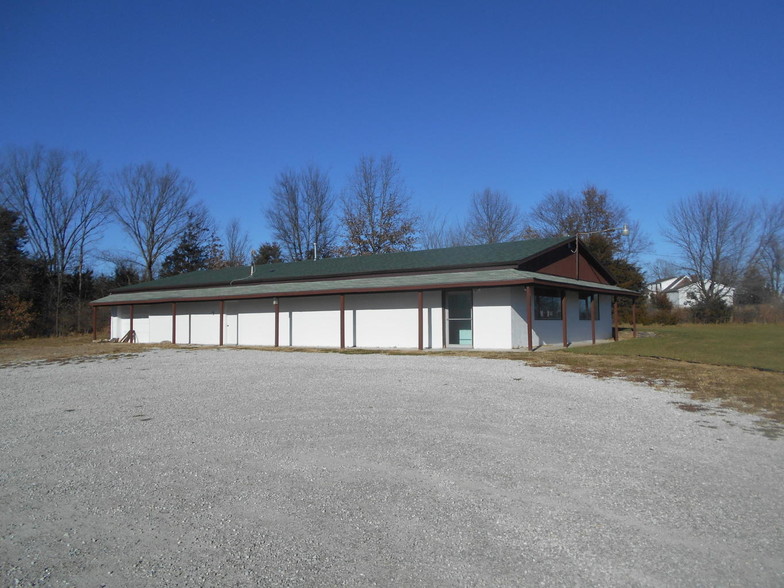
(501,296)
(682,291)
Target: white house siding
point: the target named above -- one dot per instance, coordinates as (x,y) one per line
(433,320)
(183,321)
(492,324)
(203,320)
(374,320)
(249,322)
(121,321)
(384,320)
(312,321)
(519,312)
(580,330)
(547,331)
(550,332)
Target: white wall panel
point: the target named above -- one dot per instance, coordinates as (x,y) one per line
(183,323)
(313,321)
(492,322)
(249,322)
(433,320)
(141,323)
(160,323)
(519,318)
(203,319)
(383,320)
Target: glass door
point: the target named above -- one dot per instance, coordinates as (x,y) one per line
(459,310)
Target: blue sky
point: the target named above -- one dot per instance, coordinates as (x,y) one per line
(651,101)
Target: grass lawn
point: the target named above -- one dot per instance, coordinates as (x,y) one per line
(741,366)
(753,346)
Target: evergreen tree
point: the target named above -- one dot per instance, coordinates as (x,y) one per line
(198,249)
(16,309)
(13,260)
(268,253)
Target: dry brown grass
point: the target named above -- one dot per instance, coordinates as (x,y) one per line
(745,389)
(61,348)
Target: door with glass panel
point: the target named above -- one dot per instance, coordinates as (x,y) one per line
(459,318)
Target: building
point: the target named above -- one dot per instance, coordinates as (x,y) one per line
(522,294)
(682,291)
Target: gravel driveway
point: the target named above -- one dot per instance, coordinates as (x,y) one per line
(221,467)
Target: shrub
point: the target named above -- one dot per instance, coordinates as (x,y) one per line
(711,310)
(759,313)
(16,317)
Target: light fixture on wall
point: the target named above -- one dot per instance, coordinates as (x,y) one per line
(274,301)
(624,233)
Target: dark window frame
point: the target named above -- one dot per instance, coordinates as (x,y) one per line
(449,319)
(585,313)
(547,304)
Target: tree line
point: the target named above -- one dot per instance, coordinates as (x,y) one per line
(55,206)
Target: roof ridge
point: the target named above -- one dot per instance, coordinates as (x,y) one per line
(505,253)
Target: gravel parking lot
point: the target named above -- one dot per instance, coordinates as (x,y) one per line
(219,467)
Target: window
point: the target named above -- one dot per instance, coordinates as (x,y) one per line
(459,308)
(547,304)
(586,300)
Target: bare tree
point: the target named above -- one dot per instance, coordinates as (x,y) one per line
(437,232)
(300,215)
(561,213)
(714,233)
(661,269)
(64,206)
(493,218)
(770,253)
(152,207)
(376,209)
(237,244)
(558,213)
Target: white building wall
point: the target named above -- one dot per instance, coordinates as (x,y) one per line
(547,332)
(519,315)
(433,320)
(312,321)
(160,323)
(492,324)
(382,320)
(183,323)
(249,322)
(121,321)
(198,323)
(604,326)
(385,319)
(577,330)
(141,323)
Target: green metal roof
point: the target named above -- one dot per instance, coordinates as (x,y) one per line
(407,282)
(496,254)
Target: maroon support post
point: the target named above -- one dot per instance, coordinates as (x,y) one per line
(220,334)
(275,302)
(342,321)
(564,325)
(529,316)
(616,326)
(420,309)
(174,323)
